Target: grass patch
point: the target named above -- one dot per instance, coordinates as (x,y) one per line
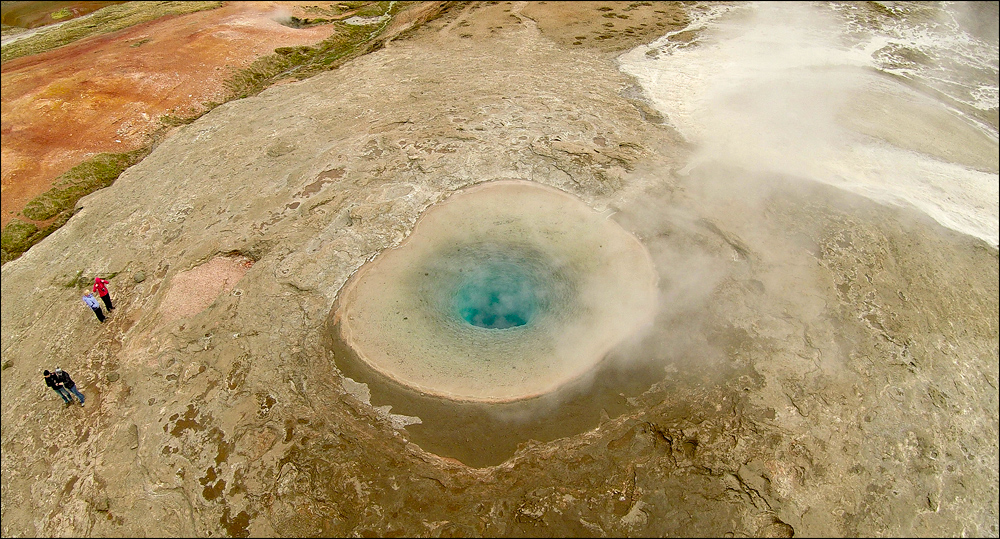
(373,9)
(6,30)
(173,120)
(105,20)
(96,173)
(347,42)
(77,280)
(63,13)
(16,235)
(59,202)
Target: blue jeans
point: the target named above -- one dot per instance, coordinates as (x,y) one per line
(77,393)
(64,393)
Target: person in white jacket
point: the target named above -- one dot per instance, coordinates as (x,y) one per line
(91,301)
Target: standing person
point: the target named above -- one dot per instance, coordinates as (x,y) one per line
(91,301)
(50,380)
(63,378)
(101,287)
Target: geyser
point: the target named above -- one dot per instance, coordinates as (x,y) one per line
(504,291)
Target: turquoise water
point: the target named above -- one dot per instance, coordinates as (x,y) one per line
(497,294)
(493,286)
(491,323)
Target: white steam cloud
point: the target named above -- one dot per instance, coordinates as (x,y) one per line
(782,89)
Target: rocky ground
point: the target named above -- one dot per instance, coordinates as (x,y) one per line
(108,93)
(830,365)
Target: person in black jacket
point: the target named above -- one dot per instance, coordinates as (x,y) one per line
(63,378)
(50,380)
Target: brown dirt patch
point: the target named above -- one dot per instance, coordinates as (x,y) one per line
(106,93)
(193,290)
(611,27)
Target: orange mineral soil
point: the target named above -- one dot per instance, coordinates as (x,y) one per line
(106,93)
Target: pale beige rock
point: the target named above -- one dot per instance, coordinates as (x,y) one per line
(594,282)
(825,365)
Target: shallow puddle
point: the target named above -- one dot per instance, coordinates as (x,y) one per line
(487,434)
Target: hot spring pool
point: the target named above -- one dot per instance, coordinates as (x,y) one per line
(504,291)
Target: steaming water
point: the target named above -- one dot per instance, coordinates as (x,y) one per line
(497,295)
(898,109)
(495,285)
(897,103)
(505,291)
(483,328)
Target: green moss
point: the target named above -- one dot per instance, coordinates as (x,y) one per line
(6,30)
(75,281)
(105,20)
(49,204)
(58,204)
(348,41)
(16,235)
(61,14)
(374,9)
(96,173)
(19,236)
(172,120)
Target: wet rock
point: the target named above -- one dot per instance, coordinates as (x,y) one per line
(102,504)
(776,528)
(260,433)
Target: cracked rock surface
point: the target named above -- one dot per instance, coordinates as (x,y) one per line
(830,365)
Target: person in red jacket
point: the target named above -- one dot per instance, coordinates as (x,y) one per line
(101,287)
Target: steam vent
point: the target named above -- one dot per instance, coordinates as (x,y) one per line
(504,291)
